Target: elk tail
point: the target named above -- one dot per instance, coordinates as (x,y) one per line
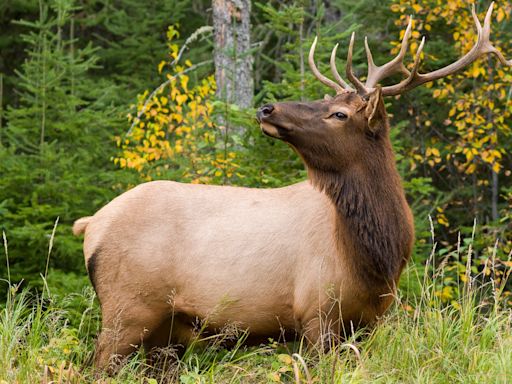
(80,225)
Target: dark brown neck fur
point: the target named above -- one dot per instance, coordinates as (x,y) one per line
(373,219)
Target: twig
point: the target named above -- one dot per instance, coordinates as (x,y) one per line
(193,37)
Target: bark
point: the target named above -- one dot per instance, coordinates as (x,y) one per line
(232,57)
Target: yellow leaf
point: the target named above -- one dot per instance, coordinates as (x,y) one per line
(275,377)
(161,66)
(180,99)
(395,8)
(500,16)
(184,81)
(285,358)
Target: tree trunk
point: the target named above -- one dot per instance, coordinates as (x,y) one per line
(232,57)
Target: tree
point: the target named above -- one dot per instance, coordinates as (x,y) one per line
(52,160)
(232,56)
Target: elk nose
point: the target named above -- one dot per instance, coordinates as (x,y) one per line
(265,111)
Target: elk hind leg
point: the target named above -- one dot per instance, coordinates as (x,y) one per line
(121,335)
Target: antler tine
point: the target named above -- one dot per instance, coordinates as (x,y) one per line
(487,19)
(378,73)
(361,89)
(316,72)
(334,70)
(417,60)
(414,73)
(369,57)
(482,46)
(487,32)
(475,18)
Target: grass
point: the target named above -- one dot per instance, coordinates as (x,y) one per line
(50,338)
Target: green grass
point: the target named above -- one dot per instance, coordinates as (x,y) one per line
(420,340)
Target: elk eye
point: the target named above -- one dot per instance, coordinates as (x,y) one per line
(339,115)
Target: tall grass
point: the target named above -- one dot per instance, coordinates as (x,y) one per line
(420,340)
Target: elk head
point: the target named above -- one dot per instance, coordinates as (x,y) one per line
(344,130)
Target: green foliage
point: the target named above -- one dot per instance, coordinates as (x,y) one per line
(131,36)
(287,31)
(50,155)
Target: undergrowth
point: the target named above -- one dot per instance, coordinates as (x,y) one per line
(49,337)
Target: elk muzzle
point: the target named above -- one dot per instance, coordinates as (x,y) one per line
(273,121)
(264,111)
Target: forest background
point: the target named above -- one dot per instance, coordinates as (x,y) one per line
(99,96)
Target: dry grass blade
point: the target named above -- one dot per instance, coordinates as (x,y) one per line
(7,257)
(304,366)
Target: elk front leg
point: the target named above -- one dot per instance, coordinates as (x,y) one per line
(320,333)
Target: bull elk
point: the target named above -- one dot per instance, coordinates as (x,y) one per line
(314,258)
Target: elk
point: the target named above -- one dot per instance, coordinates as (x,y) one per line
(315,258)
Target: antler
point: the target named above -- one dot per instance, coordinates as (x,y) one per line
(413,78)
(342,86)
(376,73)
(316,72)
(482,46)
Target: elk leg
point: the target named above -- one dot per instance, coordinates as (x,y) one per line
(121,335)
(173,333)
(319,333)
(312,332)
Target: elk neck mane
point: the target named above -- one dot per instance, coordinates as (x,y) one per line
(372,226)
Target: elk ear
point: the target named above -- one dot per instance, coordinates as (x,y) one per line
(327,98)
(375,111)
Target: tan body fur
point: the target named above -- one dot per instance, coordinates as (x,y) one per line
(263,259)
